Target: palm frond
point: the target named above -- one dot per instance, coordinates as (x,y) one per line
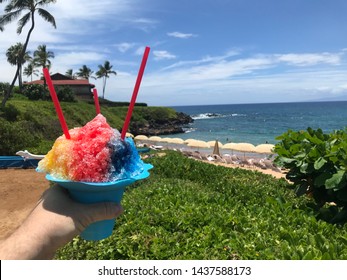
(22,22)
(9,17)
(47,16)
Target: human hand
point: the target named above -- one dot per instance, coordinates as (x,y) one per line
(55,221)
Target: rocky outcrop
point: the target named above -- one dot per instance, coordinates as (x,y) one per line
(162,126)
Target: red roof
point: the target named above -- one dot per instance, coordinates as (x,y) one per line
(63,82)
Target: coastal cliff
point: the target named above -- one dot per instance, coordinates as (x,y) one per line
(34,125)
(162,126)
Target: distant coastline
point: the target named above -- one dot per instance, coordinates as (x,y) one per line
(258,123)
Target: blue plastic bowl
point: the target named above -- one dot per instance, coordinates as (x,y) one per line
(86,192)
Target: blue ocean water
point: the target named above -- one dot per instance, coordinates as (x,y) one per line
(261,123)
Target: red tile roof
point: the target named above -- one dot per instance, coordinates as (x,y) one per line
(64,82)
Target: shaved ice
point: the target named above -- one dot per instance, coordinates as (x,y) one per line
(95,153)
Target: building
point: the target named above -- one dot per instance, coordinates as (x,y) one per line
(81,87)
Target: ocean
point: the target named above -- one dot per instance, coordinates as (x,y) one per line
(260,123)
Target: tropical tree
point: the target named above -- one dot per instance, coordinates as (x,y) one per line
(14,57)
(42,57)
(30,70)
(70,73)
(85,72)
(104,73)
(13,10)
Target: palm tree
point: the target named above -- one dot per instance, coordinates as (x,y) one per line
(104,73)
(70,74)
(14,58)
(85,72)
(30,70)
(12,11)
(42,57)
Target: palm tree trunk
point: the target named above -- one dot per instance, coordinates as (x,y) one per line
(9,91)
(103,88)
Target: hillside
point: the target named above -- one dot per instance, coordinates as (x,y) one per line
(34,125)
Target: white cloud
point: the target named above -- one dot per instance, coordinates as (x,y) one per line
(308,59)
(181,35)
(160,55)
(77,59)
(124,47)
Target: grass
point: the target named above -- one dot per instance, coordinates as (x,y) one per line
(34,125)
(193,210)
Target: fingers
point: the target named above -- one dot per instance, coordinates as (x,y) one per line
(103,211)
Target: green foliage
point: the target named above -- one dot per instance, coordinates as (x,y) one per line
(317,165)
(43,124)
(192,210)
(10,113)
(65,93)
(15,136)
(3,88)
(36,92)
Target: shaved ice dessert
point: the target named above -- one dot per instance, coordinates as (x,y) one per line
(95,153)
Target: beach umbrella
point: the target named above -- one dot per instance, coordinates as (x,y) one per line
(229,146)
(213,143)
(264,148)
(189,140)
(245,147)
(155,139)
(128,134)
(166,139)
(141,137)
(216,148)
(175,140)
(198,144)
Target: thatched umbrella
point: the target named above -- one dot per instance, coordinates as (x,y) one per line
(155,139)
(229,146)
(141,137)
(175,140)
(198,144)
(216,147)
(128,134)
(187,141)
(265,149)
(245,147)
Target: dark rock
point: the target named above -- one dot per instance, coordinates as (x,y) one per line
(162,126)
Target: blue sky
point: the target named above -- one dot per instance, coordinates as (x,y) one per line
(202,51)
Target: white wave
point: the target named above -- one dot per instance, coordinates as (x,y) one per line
(214,115)
(206,116)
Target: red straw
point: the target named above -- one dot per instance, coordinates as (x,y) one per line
(56,103)
(96,101)
(136,90)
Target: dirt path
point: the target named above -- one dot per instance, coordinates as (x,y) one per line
(20,190)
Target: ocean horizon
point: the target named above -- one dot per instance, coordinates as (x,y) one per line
(260,122)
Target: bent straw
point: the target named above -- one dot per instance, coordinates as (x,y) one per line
(56,103)
(96,101)
(136,90)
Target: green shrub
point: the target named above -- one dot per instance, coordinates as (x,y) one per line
(15,136)
(65,93)
(36,92)
(192,210)
(317,165)
(3,88)
(10,112)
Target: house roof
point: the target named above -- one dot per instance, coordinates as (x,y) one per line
(58,80)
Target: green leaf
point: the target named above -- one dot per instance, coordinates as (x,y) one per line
(319,163)
(321,179)
(335,180)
